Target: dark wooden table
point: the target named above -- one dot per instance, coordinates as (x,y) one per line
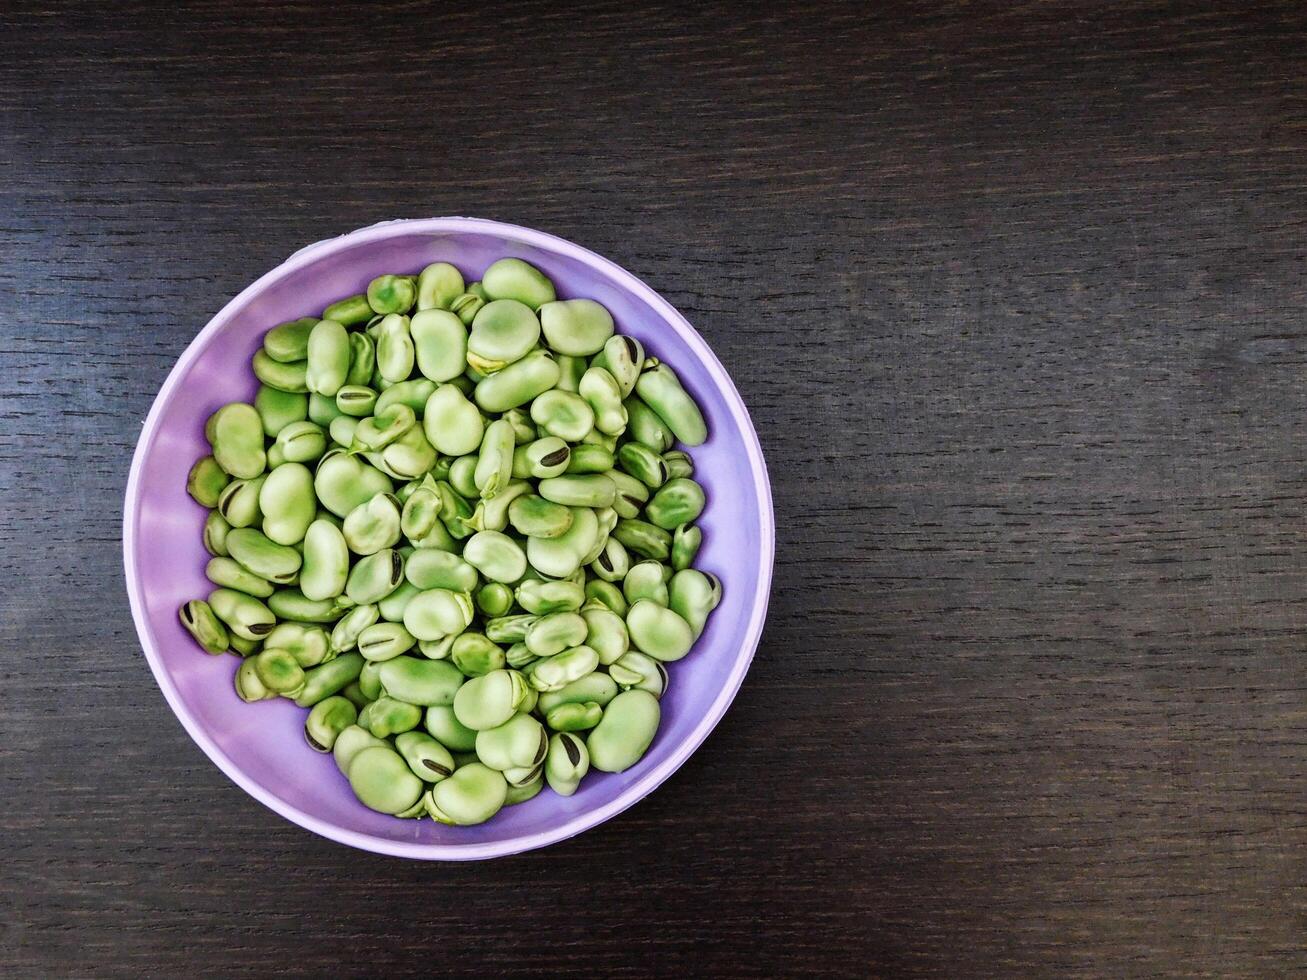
(1016,295)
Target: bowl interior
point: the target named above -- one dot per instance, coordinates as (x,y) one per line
(261,746)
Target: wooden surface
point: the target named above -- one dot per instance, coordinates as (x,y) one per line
(1016,296)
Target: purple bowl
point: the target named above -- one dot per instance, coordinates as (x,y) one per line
(261,746)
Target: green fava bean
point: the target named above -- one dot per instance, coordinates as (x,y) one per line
(693,595)
(392,606)
(468,304)
(596,687)
(350,311)
(561,556)
(342,482)
(518,383)
(474,655)
(519,742)
(588,490)
(379,431)
(248,686)
(325,566)
(427,758)
(291,376)
(448,730)
(215,533)
(502,332)
(243,614)
(645,539)
(229,574)
(387,716)
(354,693)
(642,463)
(373,525)
(414,394)
(259,554)
(279,671)
(385,641)
(356,401)
(374,577)
(409,456)
(452,423)
(439,284)
(542,597)
(520,793)
(519,657)
(576,327)
(637,671)
(420,514)
(509,629)
(437,613)
(515,279)
(566,763)
(570,372)
(622,357)
(536,517)
(236,433)
(685,545)
(523,431)
(382,781)
(345,634)
(494,468)
(604,396)
(430,569)
(472,795)
(492,514)
(370,683)
(239,501)
(201,622)
(556,672)
(613,562)
(555,633)
(293,604)
(206,481)
(658,631)
(589,459)
(323,410)
(454,510)
(679,464)
(328,359)
(574,717)
(490,700)
(494,599)
(300,442)
(395,351)
(328,678)
(542,459)
(326,721)
(563,414)
(496,556)
(607,519)
(606,633)
(608,594)
(462,474)
(626,731)
(289,342)
(362,361)
(440,344)
(645,427)
(242,647)
(392,294)
(422,682)
(287,502)
(677,502)
(631,494)
(350,742)
(660,389)
(646,580)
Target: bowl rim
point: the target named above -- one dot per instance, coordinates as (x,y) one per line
(578,822)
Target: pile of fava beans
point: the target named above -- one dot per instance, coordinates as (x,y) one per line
(454,526)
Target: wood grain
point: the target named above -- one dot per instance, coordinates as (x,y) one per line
(1015,295)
